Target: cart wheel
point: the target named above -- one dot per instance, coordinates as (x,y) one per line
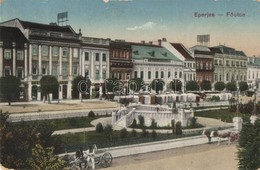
(106,160)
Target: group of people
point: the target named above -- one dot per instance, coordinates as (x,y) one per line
(86,157)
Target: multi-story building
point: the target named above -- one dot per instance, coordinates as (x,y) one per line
(182,53)
(121,64)
(155,62)
(52,50)
(253,72)
(204,63)
(95,63)
(230,64)
(13,56)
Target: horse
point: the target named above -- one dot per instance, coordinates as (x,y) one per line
(221,134)
(207,133)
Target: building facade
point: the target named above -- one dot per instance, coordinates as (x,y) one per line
(230,64)
(52,50)
(156,62)
(204,63)
(13,53)
(253,72)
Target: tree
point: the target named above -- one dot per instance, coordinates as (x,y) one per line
(231,86)
(136,84)
(108,131)
(219,86)
(76,87)
(178,128)
(157,85)
(141,121)
(44,158)
(178,84)
(243,86)
(192,86)
(249,146)
(205,85)
(9,88)
(123,133)
(49,84)
(114,85)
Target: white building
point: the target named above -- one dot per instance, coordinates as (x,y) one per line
(253,72)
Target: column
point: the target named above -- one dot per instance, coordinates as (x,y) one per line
(14,58)
(69,90)
(70,61)
(108,65)
(38,94)
(92,65)
(30,60)
(25,62)
(1,59)
(40,60)
(50,60)
(60,62)
(60,92)
(101,68)
(29,91)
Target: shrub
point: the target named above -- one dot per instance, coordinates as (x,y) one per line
(153,134)
(133,133)
(91,114)
(99,128)
(141,121)
(108,129)
(173,126)
(72,121)
(145,133)
(133,125)
(192,122)
(178,128)
(153,124)
(123,133)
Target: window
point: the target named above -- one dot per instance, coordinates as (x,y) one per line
(220,62)
(162,74)
(169,74)
(157,74)
(86,56)
(227,77)
(104,57)
(180,75)
(55,51)
(7,54)
(97,75)
(220,77)
(44,70)
(75,53)
(75,69)
(97,56)
(227,63)
(135,74)
(113,75)
(19,55)
(207,65)
(216,62)
(142,74)
(104,75)
(55,69)
(86,73)
(44,50)
(127,76)
(149,75)
(65,52)
(20,73)
(7,71)
(175,75)
(34,49)
(64,69)
(34,69)
(119,75)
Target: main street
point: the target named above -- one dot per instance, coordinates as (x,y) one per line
(199,157)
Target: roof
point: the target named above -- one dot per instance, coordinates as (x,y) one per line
(184,52)
(200,48)
(227,50)
(11,34)
(140,52)
(255,61)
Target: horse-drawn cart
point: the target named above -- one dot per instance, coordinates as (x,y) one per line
(103,158)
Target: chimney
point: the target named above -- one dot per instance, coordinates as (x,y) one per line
(164,39)
(143,42)
(150,42)
(160,42)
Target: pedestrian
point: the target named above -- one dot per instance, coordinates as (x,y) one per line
(91,156)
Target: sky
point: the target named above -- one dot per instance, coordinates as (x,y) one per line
(234,23)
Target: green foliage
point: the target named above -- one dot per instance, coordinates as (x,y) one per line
(91,114)
(243,86)
(108,131)
(99,128)
(123,134)
(75,86)
(114,85)
(215,98)
(153,124)
(153,134)
(9,88)
(192,86)
(49,84)
(249,146)
(145,133)
(178,128)
(219,86)
(173,126)
(231,86)
(178,84)
(157,85)
(133,124)
(205,85)
(193,122)
(141,121)
(135,84)
(133,133)
(44,158)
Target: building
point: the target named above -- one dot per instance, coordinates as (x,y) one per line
(51,50)
(155,62)
(230,64)
(204,63)
(253,72)
(121,64)
(95,63)
(13,57)
(182,53)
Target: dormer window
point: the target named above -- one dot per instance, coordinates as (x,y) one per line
(152,53)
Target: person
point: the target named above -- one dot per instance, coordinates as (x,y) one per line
(91,155)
